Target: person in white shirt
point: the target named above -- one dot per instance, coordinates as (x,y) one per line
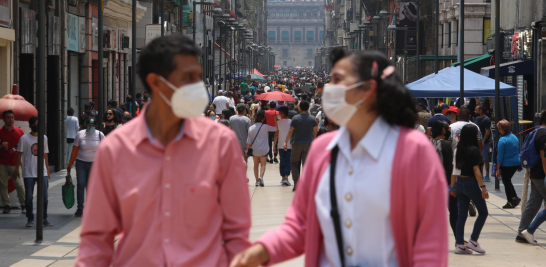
(258,137)
(85,144)
(221,102)
(72,127)
(27,151)
(231,99)
(280,137)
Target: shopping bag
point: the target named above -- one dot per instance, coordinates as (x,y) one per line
(68,192)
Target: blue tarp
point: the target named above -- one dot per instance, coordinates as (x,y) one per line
(447,84)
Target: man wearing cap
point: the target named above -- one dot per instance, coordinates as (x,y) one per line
(221,102)
(171,183)
(437,116)
(464,119)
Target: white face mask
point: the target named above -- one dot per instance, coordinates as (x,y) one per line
(188,101)
(334,105)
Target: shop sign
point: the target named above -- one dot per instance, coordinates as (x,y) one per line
(152,31)
(82,37)
(106,38)
(511,69)
(5,14)
(28,31)
(123,41)
(72,33)
(94,34)
(53,35)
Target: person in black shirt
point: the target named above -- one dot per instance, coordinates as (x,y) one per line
(329,126)
(538,190)
(439,131)
(470,186)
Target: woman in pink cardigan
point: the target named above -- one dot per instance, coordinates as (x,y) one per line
(373,193)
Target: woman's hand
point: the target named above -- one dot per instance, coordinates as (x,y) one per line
(497,173)
(453,193)
(246,152)
(485,194)
(252,257)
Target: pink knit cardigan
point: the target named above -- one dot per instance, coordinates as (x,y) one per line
(418,206)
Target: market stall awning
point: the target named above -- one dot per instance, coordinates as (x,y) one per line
(447,84)
(475,64)
(526,67)
(255,71)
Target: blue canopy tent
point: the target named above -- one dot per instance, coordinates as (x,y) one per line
(447,84)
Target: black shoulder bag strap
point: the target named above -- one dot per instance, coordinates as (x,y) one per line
(258,132)
(334,213)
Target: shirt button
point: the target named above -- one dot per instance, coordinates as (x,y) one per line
(351,171)
(348,223)
(348,196)
(167,186)
(166,240)
(167,214)
(349,250)
(168,158)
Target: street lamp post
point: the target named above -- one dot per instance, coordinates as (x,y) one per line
(384,13)
(205,52)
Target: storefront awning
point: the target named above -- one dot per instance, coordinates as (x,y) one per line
(475,64)
(285,35)
(526,67)
(310,34)
(297,34)
(271,35)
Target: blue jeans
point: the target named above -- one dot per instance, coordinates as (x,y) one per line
(469,189)
(29,196)
(82,176)
(284,166)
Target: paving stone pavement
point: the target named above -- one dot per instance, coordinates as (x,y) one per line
(269,205)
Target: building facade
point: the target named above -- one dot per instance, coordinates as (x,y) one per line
(295,31)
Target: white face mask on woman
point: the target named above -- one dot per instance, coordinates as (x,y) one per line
(187,101)
(334,105)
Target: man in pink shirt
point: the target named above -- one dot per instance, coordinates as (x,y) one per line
(153,183)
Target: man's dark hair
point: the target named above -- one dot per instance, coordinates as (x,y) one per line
(32,120)
(304,105)
(87,107)
(70,112)
(284,110)
(320,85)
(272,105)
(543,117)
(92,104)
(437,109)
(6,113)
(113,103)
(464,113)
(158,55)
(480,107)
(241,107)
(138,95)
(318,100)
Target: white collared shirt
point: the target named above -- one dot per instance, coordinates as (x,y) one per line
(363,182)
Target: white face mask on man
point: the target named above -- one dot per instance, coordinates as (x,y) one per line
(335,106)
(187,101)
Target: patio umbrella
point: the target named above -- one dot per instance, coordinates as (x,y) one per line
(255,77)
(277,66)
(277,96)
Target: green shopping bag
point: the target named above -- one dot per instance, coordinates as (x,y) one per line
(68,192)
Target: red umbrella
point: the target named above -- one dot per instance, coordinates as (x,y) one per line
(277,96)
(277,66)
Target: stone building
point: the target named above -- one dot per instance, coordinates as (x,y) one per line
(295,30)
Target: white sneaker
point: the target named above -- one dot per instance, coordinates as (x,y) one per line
(286,183)
(529,237)
(257,183)
(461,249)
(261,183)
(473,245)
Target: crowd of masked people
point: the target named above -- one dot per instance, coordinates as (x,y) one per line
(462,137)
(274,132)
